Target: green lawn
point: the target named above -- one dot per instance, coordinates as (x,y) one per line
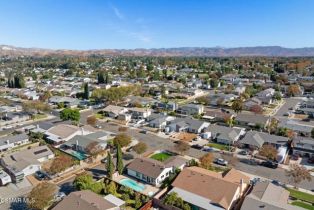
(99,116)
(301,195)
(303,205)
(160,156)
(219,146)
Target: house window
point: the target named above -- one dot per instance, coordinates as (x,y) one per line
(138,174)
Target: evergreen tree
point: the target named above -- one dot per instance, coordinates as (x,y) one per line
(109,166)
(86,91)
(119,159)
(100,78)
(107,79)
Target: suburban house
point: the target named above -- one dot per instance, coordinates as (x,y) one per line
(63,132)
(9,142)
(140,113)
(187,125)
(170,106)
(256,140)
(217,115)
(14,117)
(4,177)
(159,121)
(248,104)
(204,189)
(152,171)
(297,126)
(80,142)
(266,96)
(268,196)
(303,146)
(67,101)
(25,162)
(225,135)
(252,120)
(191,109)
(138,100)
(88,200)
(114,111)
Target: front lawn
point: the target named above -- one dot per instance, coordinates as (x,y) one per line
(303,205)
(301,195)
(161,156)
(219,146)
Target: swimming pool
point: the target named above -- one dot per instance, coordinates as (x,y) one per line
(79,155)
(132,184)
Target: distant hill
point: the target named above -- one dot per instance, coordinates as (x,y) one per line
(269,51)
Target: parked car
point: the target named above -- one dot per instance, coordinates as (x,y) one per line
(103,160)
(98,126)
(59,196)
(40,175)
(221,162)
(143,131)
(244,152)
(294,157)
(251,162)
(196,146)
(207,149)
(128,156)
(269,164)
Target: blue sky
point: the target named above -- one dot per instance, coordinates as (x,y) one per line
(102,24)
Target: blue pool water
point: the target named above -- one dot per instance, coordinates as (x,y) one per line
(132,184)
(79,155)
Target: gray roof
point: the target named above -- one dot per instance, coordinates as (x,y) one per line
(13,139)
(17,161)
(83,141)
(147,166)
(188,122)
(266,195)
(257,139)
(224,132)
(252,118)
(296,126)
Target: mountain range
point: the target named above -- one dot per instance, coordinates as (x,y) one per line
(268,51)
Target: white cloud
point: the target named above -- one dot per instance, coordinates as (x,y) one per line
(117,12)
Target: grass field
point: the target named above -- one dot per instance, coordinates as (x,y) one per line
(303,205)
(160,156)
(301,195)
(219,146)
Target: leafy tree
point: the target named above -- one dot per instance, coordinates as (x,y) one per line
(173,199)
(277,96)
(112,188)
(93,148)
(229,120)
(269,152)
(206,160)
(237,106)
(140,148)
(85,182)
(156,75)
(100,78)
(86,91)
(182,147)
(91,120)
(293,90)
(298,173)
(37,106)
(60,163)
(213,83)
(272,125)
(119,160)
(109,166)
(257,109)
(70,114)
(122,139)
(41,195)
(203,100)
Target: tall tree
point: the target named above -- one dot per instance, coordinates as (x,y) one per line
(297,174)
(237,106)
(269,152)
(100,77)
(41,195)
(119,160)
(86,91)
(109,166)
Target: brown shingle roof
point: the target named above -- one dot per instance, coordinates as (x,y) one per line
(210,185)
(84,200)
(147,166)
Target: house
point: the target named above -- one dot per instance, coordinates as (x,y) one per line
(142,101)
(88,200)
(191,109)
(255,140)
(303,146)
(140,113)
(248,104)
(239,89)
(187,125)
(152,171)
(14,117)
(204,189)
(225,135)
(217,115)
(63,132)
(67,101)
(170,106)
(9,142)
(159,121)
(266,96)
(252,120)
(114,111)
(268,196)
(80,142)
(300,128)
(25,162)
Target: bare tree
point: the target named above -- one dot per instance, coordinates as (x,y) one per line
(298,173)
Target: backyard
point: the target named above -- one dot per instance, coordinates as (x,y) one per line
(162,156)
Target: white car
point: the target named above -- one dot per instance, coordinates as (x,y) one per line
(221,161)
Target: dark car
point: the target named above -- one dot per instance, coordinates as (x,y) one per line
(143,131)
(196,146)
(128,156)
(40,175)
(269,164)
